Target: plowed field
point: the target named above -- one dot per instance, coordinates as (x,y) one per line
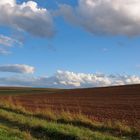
(115,103)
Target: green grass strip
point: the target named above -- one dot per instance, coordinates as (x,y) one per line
(42,129)
(117,130)
(13,134)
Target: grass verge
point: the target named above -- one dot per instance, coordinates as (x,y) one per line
(116,129)
(42,129)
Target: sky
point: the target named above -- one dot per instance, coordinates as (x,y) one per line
(69,44)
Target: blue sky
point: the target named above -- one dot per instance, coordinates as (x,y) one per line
(75,46)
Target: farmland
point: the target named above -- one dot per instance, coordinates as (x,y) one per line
(110,113)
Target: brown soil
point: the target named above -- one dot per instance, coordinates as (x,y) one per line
(115,103)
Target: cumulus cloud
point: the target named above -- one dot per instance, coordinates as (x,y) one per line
(111,17)
(26,17)
(17,68)
(66,79)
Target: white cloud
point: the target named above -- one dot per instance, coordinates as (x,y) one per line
(11,2)
(112,17)
(26,17)
(66,79)
(3,51)
(6,43)
(17,68)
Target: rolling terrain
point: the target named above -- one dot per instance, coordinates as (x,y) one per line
(121,102)
(109,113)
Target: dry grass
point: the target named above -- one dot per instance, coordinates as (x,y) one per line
(112,127)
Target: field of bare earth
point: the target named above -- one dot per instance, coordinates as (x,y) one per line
(108,113)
